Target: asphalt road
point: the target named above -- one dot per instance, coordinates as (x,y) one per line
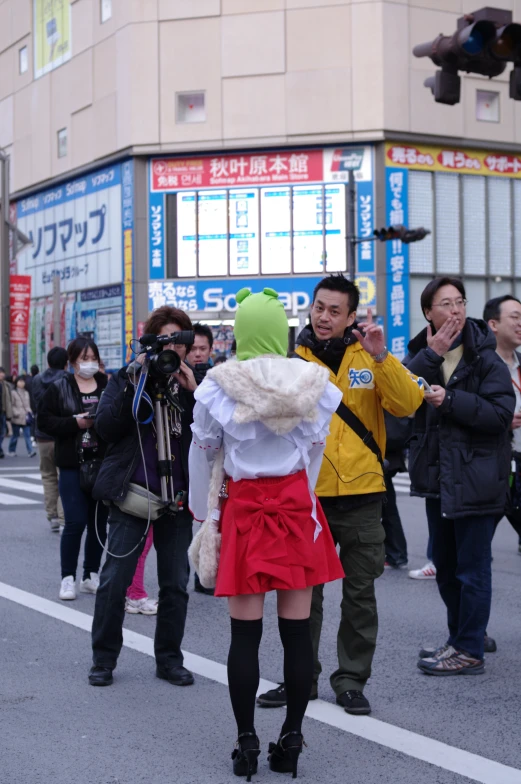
(55,728)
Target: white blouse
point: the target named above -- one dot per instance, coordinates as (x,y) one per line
(252,450)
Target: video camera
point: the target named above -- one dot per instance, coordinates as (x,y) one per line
(164,361)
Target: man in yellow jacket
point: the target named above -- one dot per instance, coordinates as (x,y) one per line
(351,486)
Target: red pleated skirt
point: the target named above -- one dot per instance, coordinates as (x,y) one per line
(268,538)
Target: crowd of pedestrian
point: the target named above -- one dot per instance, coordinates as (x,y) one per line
(284,457)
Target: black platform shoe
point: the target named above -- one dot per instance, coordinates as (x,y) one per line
(283,755)
(245,760)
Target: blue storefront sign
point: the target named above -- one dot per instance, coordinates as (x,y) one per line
(156,209)
(397,269)
(218,296)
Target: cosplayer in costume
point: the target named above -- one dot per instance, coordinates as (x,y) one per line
(268,417)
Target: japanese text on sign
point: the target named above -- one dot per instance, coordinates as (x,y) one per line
(397,265)
(19,307)
(248,169)
(450,160)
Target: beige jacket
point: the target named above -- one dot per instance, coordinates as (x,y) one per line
(21,406)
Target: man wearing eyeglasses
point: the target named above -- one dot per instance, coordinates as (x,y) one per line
(503,316)
(460,463)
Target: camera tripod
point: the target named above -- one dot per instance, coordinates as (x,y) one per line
(164,449)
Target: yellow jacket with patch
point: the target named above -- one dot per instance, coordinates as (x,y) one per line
(349,467)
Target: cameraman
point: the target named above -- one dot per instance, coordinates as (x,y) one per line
(172,533)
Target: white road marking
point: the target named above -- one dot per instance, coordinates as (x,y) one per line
(14,484)
(23,471)
(15,500)
(441,755)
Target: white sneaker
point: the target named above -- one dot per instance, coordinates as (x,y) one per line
(11,454)
(91,584)
(428,572)
(144,606)
(68,589)
(54,522)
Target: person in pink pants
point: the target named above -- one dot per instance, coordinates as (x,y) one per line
(138,600)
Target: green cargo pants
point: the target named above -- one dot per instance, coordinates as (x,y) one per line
(360,535)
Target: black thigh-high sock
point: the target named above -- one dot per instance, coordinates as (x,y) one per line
(298,670)
(243,671)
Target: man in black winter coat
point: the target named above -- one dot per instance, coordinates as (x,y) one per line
(459,461)
(132,457)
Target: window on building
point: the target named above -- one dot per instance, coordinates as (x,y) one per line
(447,240)
(190,107)
(517,224)
(421,213)
(105,10)
(499,225)
(474,225)
(487,106)
(23,59)
(62,143)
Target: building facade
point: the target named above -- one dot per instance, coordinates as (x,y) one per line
(177,150)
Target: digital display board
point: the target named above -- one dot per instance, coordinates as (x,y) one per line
(276,230)
(244,232)
(186,235)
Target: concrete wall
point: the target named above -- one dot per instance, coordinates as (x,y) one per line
(274,72)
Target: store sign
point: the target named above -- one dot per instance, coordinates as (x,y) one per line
(19,307)
(127,176)
(52,35)
(218,296)
(397,264)
(224,171)
(230,170)
(449,159)
(75,230)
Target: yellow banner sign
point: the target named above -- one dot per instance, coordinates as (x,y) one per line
(128,290)
(52,35)
(451,159)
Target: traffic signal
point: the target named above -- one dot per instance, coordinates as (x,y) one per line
(484,43)
(401,233)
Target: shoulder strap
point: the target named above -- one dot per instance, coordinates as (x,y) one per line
(356,425)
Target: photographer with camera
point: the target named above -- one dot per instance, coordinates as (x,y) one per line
(145,416)
(66,414)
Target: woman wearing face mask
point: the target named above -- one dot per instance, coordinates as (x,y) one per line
(22,416)
(67,414)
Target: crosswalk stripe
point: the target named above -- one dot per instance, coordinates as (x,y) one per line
(13,484)
(34,470)
(37,477)
(15,500)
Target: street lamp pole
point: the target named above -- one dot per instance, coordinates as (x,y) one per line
(351,228)
(4,263)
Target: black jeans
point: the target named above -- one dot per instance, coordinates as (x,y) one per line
(172,537)
(395,542)
(462,556)
(80,510)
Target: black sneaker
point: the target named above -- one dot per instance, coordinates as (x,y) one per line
(354,702)
(276,698)
(100,676)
